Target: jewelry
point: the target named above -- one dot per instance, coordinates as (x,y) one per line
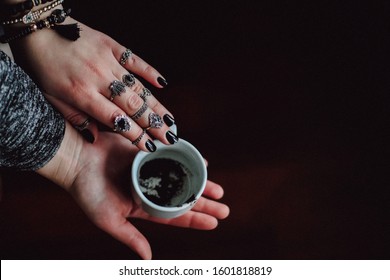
(31,16)
(140,111)
(37,2)
(128,80)
(125,56)
(15,9)
(117,88)
(145,93)
(84,125)
(136,141)
(122,123)
(69,31)
(155,121)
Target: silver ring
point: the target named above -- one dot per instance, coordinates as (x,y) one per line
(84,125)
(136,141)
(155,121)
(122,123)
(128,80)
(117,88)
(125,56)
(145,93)
(140,111)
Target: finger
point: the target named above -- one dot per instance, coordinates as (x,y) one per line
(87,128)
(213,190)
(127,98)
(212,208)
(138,66)
(153,103)
(132,237)
(109,114)
(204,216)
(164,134)
(191,219)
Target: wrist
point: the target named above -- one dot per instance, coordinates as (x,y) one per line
(12,8)
(64,167)
(32,16)
(45,14)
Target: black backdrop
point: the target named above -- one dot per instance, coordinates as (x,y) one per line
(289,102)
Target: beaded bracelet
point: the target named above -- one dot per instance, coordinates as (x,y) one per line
(68,31)
(13,10)
(31,16)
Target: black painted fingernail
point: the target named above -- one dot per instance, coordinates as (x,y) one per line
(172,138)
(162,81)
(87,134)
(168,120)
(150,146)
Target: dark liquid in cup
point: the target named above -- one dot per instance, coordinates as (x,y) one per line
(162,180)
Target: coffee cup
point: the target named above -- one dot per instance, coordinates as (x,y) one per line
(168,182)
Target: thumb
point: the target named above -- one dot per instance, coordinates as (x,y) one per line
(81,121)
(132,237)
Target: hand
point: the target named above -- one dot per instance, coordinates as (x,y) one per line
(76,78)
(99,180)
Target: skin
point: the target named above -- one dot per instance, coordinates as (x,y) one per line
(76,76)
(97,176)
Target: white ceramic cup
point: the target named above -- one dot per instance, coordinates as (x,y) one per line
(194,166)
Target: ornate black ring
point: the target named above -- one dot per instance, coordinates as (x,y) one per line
(128,80)
(155,121)
(122,123)
(125,56)
(117,88)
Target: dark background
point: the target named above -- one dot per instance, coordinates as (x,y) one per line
(289,102)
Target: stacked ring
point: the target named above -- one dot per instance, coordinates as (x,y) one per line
(125,56)
(145,93)
(117,88)
(136,141)
(140,111)
(122,123)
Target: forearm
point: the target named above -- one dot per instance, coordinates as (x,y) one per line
(31,130)
(33,135)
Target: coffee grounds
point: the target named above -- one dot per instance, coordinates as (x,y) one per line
(161,180)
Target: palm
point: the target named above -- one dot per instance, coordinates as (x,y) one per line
(102,190)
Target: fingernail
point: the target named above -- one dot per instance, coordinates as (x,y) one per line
(168,120)
(87,134)
(150,146)
(162,81)
(172,138)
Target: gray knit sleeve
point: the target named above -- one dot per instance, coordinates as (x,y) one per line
(31,130)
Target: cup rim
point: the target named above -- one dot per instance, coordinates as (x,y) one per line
(134,177)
